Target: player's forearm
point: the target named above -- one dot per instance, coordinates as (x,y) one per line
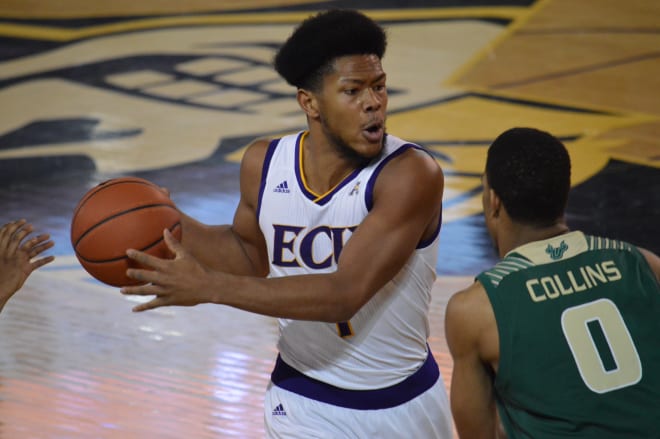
(306,297)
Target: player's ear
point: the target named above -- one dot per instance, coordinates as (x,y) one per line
(495,203)
(308,103)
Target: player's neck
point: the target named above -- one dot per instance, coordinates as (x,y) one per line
(323,167)
(521,234)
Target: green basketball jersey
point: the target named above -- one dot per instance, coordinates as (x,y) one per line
(579,329)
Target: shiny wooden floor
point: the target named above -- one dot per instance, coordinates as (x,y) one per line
(172,91)
(77,364)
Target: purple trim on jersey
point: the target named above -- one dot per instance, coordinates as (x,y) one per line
(314,197)
(429,241)
(264,172)
(369,192)
(424,378)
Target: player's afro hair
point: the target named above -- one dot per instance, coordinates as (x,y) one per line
(323,37)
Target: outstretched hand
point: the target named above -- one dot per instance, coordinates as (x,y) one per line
(17,256)
(175,282)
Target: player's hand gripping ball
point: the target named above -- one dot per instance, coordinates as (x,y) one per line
(116,215)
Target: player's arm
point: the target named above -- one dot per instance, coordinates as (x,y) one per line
(406,208)
(407,204)
(653,261)
(237,248)
(471,396)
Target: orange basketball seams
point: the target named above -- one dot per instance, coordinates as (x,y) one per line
(118,214)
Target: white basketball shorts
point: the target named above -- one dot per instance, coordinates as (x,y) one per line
(416,408)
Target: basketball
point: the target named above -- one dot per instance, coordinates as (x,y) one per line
(116,215)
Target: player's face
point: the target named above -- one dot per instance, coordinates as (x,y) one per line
(353,104)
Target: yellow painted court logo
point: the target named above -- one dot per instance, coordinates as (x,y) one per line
(154,94)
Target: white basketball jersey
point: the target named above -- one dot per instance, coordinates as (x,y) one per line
(385,341)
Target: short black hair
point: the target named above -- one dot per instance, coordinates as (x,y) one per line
(530,170)
(312,47)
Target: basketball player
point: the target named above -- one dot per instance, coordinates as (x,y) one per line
(17,256)
(559,339)
(336,234)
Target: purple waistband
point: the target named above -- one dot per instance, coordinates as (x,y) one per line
(290,379)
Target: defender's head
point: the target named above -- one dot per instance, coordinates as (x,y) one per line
(530,171)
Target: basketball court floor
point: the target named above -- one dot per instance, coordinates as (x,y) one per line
(172,92)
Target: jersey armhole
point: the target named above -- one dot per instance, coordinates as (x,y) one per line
(264,172)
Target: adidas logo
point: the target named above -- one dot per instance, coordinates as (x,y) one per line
(282,188)
(279,410)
